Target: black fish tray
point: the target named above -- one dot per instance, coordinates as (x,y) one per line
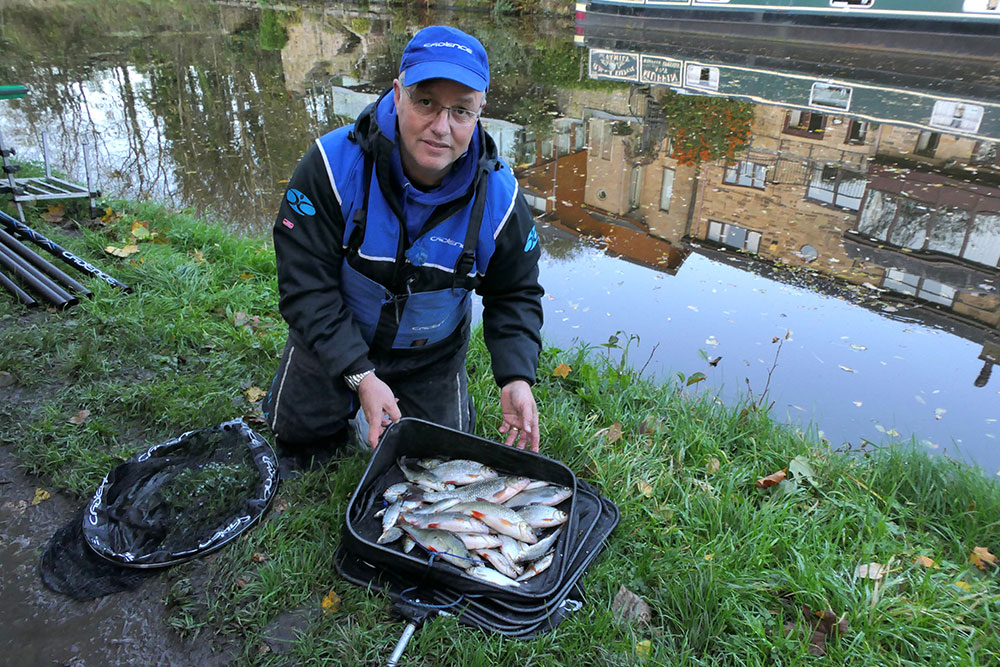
(417,438)
(521,621)
(415,579)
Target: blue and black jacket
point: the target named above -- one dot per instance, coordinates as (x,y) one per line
(363,294)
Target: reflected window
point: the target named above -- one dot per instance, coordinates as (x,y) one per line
(831,185)
(922,288)
(805,124)
(851,3)
(667,190)
(734,236)
(857,132)
(957,115)
(699,76)
(927,143)
(968,234)
(830,96)
(877,216)
(983,245)
(746,174)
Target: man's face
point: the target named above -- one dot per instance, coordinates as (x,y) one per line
(429,145)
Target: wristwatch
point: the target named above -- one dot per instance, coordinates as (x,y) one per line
(354,380)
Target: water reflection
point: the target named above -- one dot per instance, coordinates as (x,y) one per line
(703,193)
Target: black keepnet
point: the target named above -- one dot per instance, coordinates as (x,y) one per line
(419,439)
(182,498)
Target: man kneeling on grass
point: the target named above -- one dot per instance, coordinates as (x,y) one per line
(387,226)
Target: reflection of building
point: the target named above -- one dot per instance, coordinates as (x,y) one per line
(892,191)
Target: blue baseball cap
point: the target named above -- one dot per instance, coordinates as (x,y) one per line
(441,52)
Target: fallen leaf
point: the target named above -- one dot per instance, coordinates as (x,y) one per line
(964,586)
(140,229)
(615,432)
(771,480)
(242,582)
(258,557)
(845,368)
(124,251)
(713,465)
(55,213)
(562,370)
(874,571)
(714,362)
(981,557)
(246,276)
(330,603)
(79,417)
(926,562)
(645,488)
(694,378)
(254,394)
(241,319)
(801,470)
(644,649)
(199,257)
(629,606)
(709,556)
(40,495)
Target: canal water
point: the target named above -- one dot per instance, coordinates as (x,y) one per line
(818,224)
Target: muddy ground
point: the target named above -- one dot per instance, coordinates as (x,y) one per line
(41,627)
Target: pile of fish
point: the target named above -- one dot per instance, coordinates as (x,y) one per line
(500,529)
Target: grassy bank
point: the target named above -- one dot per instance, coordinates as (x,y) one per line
(733,574)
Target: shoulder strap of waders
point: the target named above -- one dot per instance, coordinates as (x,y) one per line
(361,212)
(467,260)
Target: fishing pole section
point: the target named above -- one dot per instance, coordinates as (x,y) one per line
(21,267)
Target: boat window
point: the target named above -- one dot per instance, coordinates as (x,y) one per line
(857,132)
(851,3)
(805,124)
(957,115)
(698,76)
(830,96)
(981,6)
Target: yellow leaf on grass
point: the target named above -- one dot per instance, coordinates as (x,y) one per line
(124,251)
(140,229)
(562,370)
(926,562)
(644,649)
(615,432)
(254,394)
(79,417)
(645,488)
(713,466)
(246,276)
(964,586)
(330,603)
(40,495)
(55,213)
(199,257)
(981,557)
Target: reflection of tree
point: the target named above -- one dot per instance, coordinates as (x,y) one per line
(705,128)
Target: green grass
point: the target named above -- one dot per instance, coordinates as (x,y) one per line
(723,565)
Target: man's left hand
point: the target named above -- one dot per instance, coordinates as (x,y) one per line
(520,415)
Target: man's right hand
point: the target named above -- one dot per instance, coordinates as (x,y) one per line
(379,404)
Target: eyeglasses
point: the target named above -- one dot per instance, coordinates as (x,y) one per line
(428,108)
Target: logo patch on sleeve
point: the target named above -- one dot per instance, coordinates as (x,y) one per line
(288,223)
(532,241)
(299,202)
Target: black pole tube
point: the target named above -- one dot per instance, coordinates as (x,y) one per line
(12,287)
(35,279)
(15,226)
(33,258)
